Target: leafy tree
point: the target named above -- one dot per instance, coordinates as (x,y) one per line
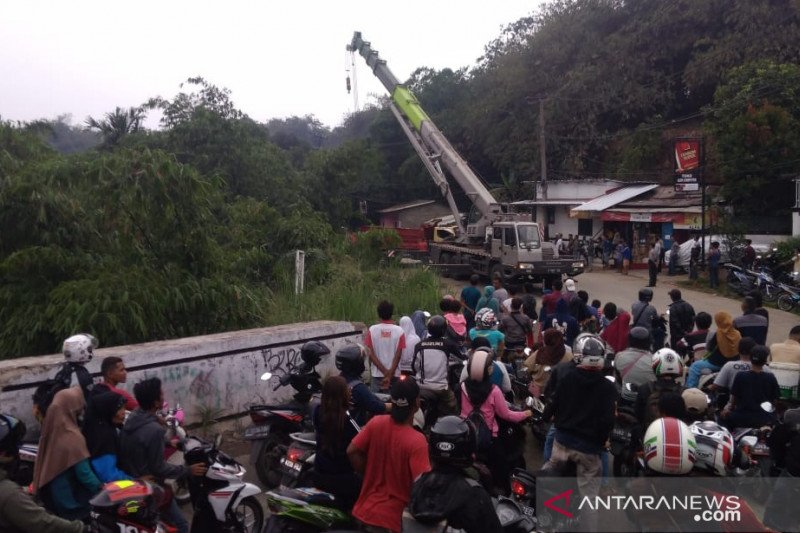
(117,124)
(755,120)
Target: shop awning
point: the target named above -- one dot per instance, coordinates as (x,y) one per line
(601,203)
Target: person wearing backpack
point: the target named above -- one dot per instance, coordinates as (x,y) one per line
(667,367)
(78,350)
(364,403)
(448,493)
(482,402)
(516,326)
(634,364)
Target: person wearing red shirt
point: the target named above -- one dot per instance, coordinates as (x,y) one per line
(114,372)
(549,301)
(390,454)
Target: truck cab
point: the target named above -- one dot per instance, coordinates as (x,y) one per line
(518,246)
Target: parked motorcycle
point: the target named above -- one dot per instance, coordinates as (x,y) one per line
(221,500)
(298,463)
(789,297)
(272,424)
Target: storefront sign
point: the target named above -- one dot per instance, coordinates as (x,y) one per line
(687,182)
(641,217)
(687,154)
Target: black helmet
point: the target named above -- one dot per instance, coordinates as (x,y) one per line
(12,431)
(759,355)
(645,295)
(452,441)
(312,352)
(437,326)
(350,360)
(639,337)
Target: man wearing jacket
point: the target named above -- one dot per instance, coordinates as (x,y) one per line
(681,317)
(142,445)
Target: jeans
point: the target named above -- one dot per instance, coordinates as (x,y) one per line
(604,464)
(174,515)
(653,269)
(713,277)
(548,443)
(696,370)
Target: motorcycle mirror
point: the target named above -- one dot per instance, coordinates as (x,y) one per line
(266,376)
(529,401)
(630,387)
(612,379)
(768,407)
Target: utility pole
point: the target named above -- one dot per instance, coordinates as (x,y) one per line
(542,149)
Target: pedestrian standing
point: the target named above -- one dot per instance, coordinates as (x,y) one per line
(713,265)
(385,342)
(673,258)
(608,248)
(652,264)
(469,300)
(694,258)
(626,257)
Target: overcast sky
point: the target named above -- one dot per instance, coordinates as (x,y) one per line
(278,58)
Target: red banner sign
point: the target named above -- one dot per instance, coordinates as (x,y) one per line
(687,154)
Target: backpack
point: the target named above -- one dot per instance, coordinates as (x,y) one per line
(651,407)
(44,394)
(483,435)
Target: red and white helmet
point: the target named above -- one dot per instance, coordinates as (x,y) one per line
(79,348)
(714,447)
(666,362)
(669,447)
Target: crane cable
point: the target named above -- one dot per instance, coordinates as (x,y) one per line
(350,65)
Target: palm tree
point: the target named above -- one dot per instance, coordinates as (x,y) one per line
(117,124)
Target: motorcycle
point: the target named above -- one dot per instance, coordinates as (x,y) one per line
(221,500)
(298,463)
(624,448)
(127,506)
(788,298)
(753,443)
(539,426)
(304,510)
(272,424)
(509,513)
(740,280)
(173,418)
(523,493)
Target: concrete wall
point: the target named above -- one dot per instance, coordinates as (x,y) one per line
(219,373)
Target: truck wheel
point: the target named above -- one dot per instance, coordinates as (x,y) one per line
(446,259)
(497,270)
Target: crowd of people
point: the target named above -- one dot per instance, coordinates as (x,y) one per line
(457,363)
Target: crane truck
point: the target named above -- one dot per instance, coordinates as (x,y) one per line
(496,241)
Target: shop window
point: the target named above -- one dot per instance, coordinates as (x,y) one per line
(585,227)
(551,214)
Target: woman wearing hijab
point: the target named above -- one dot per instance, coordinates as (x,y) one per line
(480,395)
(722,347)
(412,339)
(616,333)
(104,414)
(63,477)
(488,300)
(549,355)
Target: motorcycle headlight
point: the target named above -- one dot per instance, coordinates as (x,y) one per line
(525,266)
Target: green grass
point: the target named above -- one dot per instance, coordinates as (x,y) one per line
(352,294)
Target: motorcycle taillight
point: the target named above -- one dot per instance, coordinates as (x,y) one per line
(518,488)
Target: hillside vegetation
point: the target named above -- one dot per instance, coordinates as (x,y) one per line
(140,235)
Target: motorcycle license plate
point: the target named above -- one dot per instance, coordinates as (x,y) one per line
(290,467)
(256,432)
(621,435)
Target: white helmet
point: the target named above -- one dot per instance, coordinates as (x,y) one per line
(589,352)
(485,318)
(669,447)
(666,362)
(714,447)
(79,348)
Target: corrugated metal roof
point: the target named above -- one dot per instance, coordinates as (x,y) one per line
(601,203)
(555,201)
(407,205)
